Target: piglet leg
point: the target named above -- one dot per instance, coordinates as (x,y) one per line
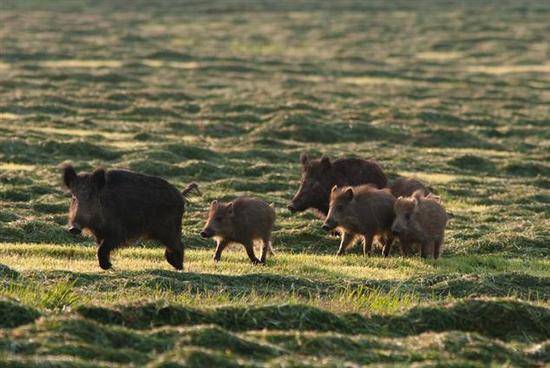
(249,247)
(347,238)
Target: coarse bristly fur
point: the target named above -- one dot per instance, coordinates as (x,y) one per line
(243,221)
(361,211)
(320,175)
(120,206)
(405,187)
(420,219)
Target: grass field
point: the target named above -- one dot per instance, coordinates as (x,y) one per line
(228,94)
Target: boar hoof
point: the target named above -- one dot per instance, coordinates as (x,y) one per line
(216,259)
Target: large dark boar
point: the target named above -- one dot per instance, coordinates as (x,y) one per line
(405,187)
(320,175)
(119,207)
(241,221)
(420,219)
(361,211)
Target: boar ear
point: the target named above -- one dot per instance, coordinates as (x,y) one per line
(304,160)
(99,178)
(69,175)
(325,162)
(334,189)
(349,194)
(214,204)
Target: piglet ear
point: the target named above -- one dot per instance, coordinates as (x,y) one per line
(69,175)
(214,204)
(325,163)
(304,160)
(99,178)
(349,194)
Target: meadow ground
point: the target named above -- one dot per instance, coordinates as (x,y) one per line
(229,94)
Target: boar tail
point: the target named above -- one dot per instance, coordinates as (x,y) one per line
(189,188)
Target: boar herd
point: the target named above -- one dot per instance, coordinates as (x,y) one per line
(352,195)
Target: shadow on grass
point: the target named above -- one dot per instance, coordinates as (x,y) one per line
(500,318)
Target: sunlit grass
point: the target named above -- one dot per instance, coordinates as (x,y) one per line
(229,95)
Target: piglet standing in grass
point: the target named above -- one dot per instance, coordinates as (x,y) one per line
(120,206)
(420,219)
(243,221)
(362,211)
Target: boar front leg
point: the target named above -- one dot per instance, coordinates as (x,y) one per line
(347,238)
(249,247)
(222,244)
(426,249)
(406,247)
(104,252)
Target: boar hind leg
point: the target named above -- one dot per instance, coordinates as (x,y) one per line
(222,244)
(266,248)
(104,253)
(249,247)
(367,244)
(347,239)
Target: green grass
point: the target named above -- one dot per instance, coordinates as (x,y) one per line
(229,94)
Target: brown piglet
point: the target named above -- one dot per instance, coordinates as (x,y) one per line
(361,211)
(420,219)
(243,221)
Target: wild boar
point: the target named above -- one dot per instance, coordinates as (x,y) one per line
(420,219)
(243,221)
(361,211)
(320,175)
(120,206)
(405,187)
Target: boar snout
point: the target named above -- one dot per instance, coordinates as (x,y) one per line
(207,233)
(75,230)
(291,208)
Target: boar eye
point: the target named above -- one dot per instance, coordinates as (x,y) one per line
(407,216)
(218,219)
(339,207)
